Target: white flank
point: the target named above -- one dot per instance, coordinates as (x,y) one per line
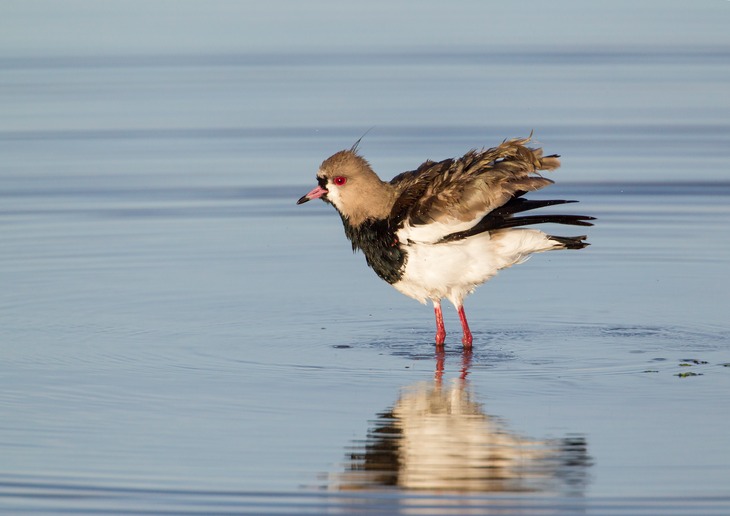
(454,269)
(433,231)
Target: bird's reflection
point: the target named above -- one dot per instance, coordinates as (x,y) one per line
(436,437)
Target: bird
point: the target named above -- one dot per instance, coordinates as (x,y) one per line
(441,230)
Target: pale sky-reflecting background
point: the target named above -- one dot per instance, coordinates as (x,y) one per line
(177,335)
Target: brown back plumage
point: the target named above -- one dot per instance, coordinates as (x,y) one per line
(477,183)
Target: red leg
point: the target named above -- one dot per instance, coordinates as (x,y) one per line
(467,338)
(440,330)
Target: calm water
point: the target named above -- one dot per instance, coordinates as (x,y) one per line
(178,337)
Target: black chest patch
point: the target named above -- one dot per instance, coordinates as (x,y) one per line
(380,246)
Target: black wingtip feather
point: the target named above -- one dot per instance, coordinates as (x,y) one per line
(519,204)
(571,220)
(502,218)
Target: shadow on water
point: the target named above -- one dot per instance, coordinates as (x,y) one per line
(437,438)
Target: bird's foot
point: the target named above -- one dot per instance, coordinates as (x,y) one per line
(440,338)
(467,340)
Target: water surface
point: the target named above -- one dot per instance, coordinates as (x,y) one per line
(178,336)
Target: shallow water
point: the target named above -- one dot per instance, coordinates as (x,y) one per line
(178,336)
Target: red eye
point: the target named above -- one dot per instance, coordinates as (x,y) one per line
(340,180)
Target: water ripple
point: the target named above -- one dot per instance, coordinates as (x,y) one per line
(53,495)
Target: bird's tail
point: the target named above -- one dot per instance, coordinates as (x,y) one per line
(576,242)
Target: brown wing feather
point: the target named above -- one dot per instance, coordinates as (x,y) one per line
(468,187)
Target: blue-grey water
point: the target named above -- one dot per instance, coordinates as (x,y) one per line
(177,336)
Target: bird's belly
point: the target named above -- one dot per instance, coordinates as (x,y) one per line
(451,270)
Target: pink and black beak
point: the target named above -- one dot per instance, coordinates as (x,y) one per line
(318,192)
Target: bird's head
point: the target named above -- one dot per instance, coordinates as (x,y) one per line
(347,181)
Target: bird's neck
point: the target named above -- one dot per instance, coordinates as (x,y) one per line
(378,241)
(376,204)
